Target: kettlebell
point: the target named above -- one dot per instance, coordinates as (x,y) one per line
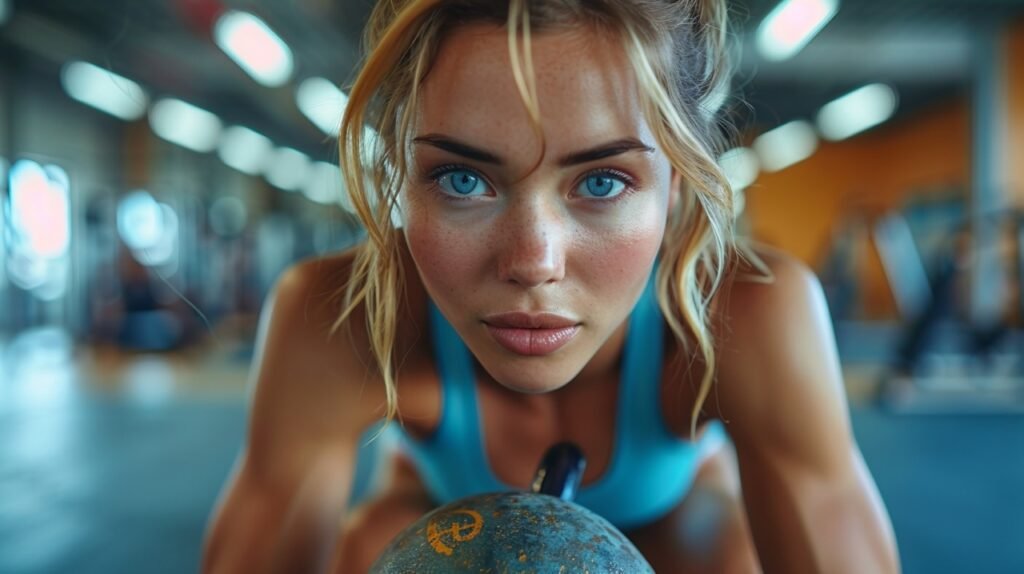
(516,532)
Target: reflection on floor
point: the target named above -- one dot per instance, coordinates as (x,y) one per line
(111,463)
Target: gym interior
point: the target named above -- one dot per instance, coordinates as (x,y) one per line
(156,178)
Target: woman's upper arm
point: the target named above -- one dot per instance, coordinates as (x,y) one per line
(309,402)
(311,389)
(812,503)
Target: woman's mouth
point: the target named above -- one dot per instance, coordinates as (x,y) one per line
(531,334)
(532,341)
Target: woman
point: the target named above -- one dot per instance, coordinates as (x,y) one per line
(565,269)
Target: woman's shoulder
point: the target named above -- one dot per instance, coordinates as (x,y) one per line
(772,330)
(301,353)
(759,271)
(315,375)
(768,297)
(309,299)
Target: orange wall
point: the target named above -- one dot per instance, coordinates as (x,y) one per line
(1014,156)
(798,208)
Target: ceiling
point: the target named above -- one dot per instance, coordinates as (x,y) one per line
(923,48)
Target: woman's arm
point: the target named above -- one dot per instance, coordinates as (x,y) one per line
(281,509)
(811,502)
(276,526)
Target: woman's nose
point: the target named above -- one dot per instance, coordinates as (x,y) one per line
(533,243)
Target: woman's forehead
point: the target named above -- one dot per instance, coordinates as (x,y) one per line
(585,87)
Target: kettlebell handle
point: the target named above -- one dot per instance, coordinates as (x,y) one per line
(560,472)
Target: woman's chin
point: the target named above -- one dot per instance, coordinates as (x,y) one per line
(530,381)
(532,388)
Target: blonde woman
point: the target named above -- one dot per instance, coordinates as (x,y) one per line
(550,257)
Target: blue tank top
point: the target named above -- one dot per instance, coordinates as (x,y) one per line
(650,469)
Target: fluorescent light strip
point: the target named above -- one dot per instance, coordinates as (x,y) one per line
(186,125)
(251,43)
(163,251)
(39,208)
(245,150)
(104,90)
(323,103)
(791,25)
(5,11)
(786,145)
(289,169)
(139,220)
(741,167)
(324,185)
(857,111)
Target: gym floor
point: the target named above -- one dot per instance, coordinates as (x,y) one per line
(112,462)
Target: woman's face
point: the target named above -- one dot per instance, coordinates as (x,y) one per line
(536,268)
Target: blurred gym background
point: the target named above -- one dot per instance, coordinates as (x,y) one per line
(161,161)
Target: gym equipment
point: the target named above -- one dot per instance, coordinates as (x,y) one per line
(538,531)
(944,361)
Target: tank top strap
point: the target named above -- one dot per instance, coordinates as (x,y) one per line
(455,374)
(458,437)
(642,360)
(640,365)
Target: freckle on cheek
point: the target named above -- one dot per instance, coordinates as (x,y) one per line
(625,252)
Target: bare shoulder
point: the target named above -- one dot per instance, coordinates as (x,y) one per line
(776,297)
(773,278)
(776,348)
(315,390)
(308,300)
(313,385)
(300,315)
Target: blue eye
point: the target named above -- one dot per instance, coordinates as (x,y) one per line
(461,182)
(602,185)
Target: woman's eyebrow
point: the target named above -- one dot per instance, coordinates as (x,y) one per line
(604,150)
(601,151)
(458,148)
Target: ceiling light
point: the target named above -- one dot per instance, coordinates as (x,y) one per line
(857,111)
(254,47)
(323,103)
(139,220)
(5,11)
(244,149)
(791,25)
(186,125)
(289,169)
(104,90)
(324,185)
(40,209)
(741,167)
(786,145)
(164,253)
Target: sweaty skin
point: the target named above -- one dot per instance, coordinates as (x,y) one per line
(485,234)
(536,239)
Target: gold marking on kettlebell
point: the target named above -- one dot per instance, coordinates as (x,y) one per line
(456,531)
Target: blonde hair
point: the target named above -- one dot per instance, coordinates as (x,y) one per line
(679,52)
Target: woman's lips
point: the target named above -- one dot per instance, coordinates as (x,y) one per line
(531,334)
(532,342)
(521,320)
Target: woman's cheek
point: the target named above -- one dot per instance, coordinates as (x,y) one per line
(445,255)
(623,246)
